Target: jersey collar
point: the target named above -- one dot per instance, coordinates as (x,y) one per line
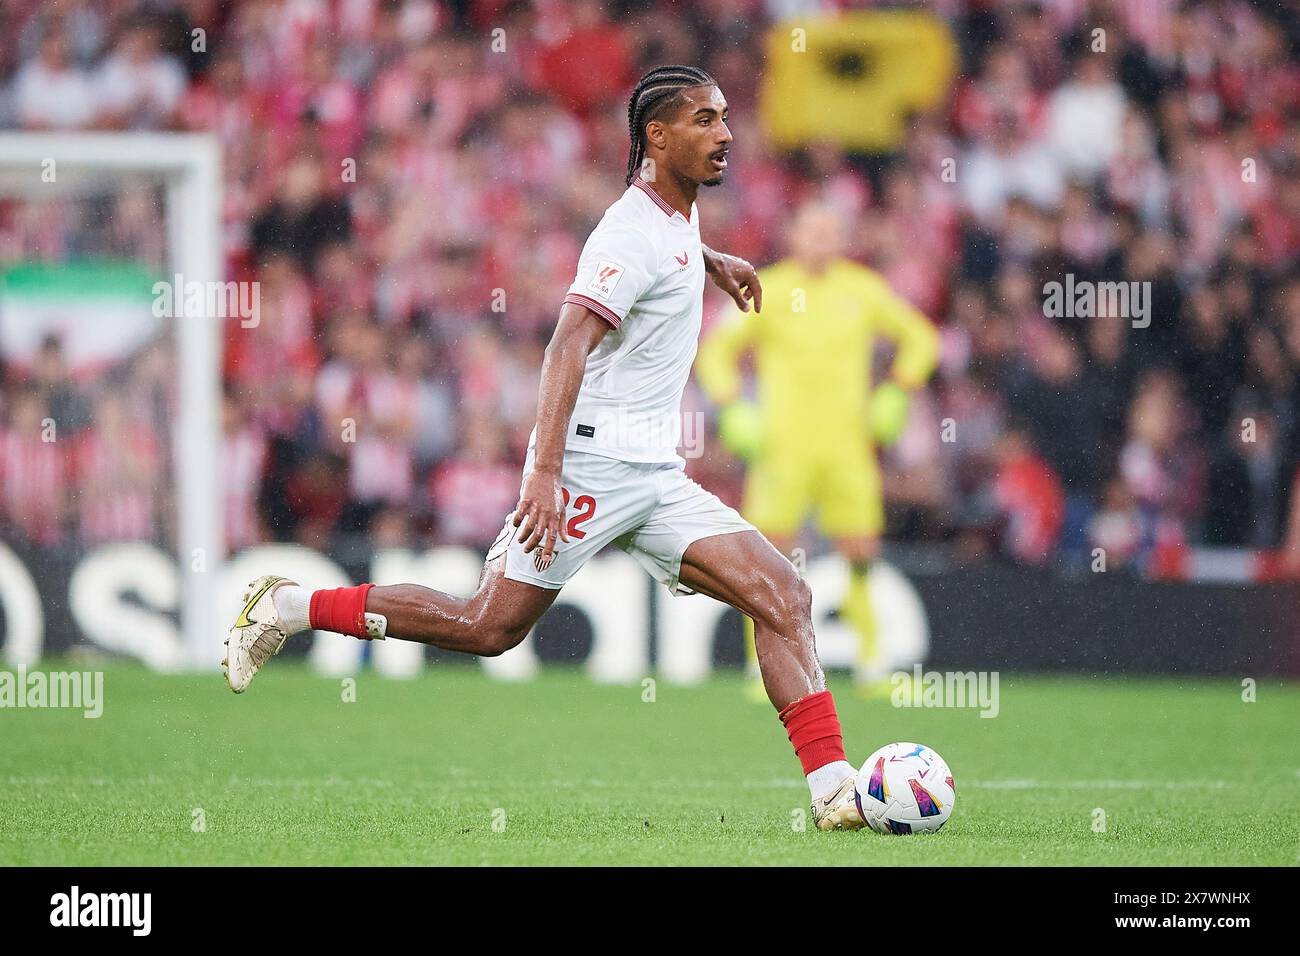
(657,199)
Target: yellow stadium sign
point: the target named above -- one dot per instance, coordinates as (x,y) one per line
(854,79)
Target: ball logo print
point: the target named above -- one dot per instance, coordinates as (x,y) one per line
(905,788)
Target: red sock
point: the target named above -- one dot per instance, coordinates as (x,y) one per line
(814,730)
(342,610)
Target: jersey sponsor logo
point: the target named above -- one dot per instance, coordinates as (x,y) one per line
(607,276)
(683,259)
(587,431)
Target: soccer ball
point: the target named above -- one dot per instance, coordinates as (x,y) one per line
(905,788)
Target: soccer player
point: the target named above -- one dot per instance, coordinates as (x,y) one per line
(811,439)
(602,463)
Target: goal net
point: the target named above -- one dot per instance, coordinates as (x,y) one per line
(110,482)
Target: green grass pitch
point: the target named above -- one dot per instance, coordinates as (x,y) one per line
(455,769)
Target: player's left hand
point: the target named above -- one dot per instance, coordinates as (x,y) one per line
(740,426)
(736,277)
(889,407)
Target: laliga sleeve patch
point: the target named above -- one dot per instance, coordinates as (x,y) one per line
(607,276)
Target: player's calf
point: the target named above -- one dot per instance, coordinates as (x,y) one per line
(811,721)
(496,618)
(747,572)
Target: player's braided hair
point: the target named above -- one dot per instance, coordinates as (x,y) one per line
(654,94)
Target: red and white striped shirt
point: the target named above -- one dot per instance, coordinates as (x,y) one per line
(118,483)
(33,485)
(243,458)
(471,497)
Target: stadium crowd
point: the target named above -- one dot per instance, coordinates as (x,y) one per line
(411,181)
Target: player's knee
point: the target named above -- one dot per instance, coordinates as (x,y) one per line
(496,639)
(493,642)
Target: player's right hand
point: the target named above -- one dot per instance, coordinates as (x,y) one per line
(539,516)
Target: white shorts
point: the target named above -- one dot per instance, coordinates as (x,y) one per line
(654,512)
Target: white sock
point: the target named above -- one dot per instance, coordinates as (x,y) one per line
(293,605)
(827,779)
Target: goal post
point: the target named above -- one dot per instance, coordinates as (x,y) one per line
(189,167)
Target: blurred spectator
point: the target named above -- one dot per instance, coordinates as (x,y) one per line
(1116,527)
(1086,117)
(1028,498)
(316,494)
(600,46)
(302,218)
(1008,165)
(411,197)
(1157,468)
(243,460)
(1291,542)
(474,491)
(53,379)
(1064,420)
(119,476)
(371,410)
(34,480)
(1211,363)
(1248,482)
(51,92)
(139,86)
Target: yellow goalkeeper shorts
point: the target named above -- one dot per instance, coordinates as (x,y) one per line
(781,491)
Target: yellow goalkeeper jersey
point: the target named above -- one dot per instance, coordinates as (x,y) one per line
(812,346)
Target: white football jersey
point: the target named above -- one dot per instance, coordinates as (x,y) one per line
(642,271)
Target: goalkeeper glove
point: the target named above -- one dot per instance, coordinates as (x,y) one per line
(740,426)
(889,405)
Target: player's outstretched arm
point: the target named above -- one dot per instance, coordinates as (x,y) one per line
(539,516)
(736,277)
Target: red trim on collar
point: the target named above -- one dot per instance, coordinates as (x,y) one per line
(657,199)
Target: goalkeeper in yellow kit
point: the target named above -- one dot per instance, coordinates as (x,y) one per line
(810,439)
